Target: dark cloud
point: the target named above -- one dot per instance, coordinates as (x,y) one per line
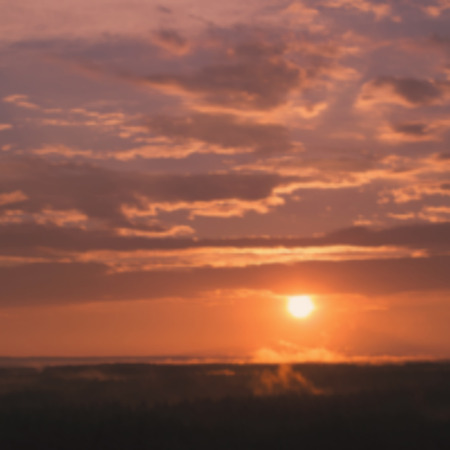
(172,36)
(77,283)
(412,128)
(429,235)
(100,193)
(253,75)
(164,9)
(171,40)
(441,41)
(224,130)
(443,156)
(414,91)
(30,239)
(261,85)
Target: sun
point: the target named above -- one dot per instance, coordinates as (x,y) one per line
(300,306)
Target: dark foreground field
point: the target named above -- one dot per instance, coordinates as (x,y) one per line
(129,406)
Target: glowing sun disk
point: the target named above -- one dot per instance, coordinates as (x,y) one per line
(300,306)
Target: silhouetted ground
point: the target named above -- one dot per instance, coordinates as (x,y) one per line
(126,406)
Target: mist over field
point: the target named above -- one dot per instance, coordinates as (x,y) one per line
(225,406)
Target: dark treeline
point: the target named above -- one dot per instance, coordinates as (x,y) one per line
(226,407)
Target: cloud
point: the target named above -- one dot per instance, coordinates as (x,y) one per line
(414,129)
(414,236)
(21,101)
(212,208)
(414,192)
(59,283)
(165,136)
(233,257)
(436,9)
(172,41)
(60,218)
(411,132)
(395,178)
(130,199)
(156,147)
(165,148)
(249,69)
(159,231)
(435,214)
(379,10)
(252,82)
(30,237)
(312,172)
(416,178)
(296,13)
(224,130)
(64,151)
(83,19)
(404,91)
(11,198)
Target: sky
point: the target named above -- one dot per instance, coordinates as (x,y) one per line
(170,173)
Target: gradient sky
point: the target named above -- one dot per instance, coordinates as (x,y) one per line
(170,172)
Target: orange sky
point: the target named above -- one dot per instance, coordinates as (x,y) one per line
(169,174)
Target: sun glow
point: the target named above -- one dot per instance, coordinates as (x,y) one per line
(300,306)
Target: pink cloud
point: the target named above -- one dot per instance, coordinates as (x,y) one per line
(9,198)
(20,101)
(5,126)
(379,10)
(172,41)
(435,10)
(408,92)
